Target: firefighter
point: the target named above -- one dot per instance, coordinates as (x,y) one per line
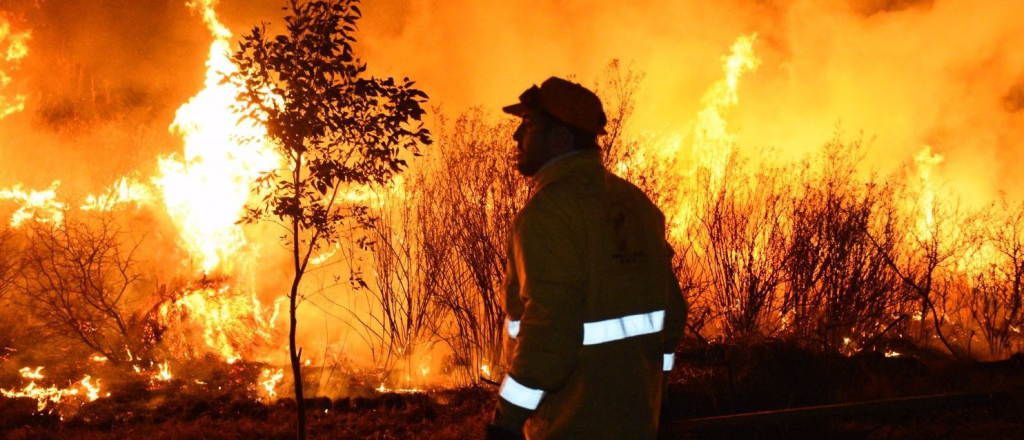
(594,311)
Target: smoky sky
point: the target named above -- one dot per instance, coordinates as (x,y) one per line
(906,73)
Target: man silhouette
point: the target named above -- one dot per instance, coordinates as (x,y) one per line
(594,309)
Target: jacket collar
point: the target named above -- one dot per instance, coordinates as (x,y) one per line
(567,164)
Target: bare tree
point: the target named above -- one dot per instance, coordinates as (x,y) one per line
(77,277)
(932,240)
(403,314)
(9,261)
(430,259)
(742,244)
(618,89)
(840,292)
(995,293)
(475,195)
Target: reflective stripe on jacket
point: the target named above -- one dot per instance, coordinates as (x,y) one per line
(594,309)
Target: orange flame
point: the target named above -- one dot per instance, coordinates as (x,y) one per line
(712,142)
(49,398)
(164,373)
(29,373)
(269,382)
(17,48)
(206,189)
(231,323)
(43,206)
(125,191)
(39,205)
(926,163)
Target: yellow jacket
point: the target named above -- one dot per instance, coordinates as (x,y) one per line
(594,310)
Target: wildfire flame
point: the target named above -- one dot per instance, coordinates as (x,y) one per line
(926,162)
(28,373)
(92,391)
(17,48)
(206,186)
(384,389)
(712,142)
(269,382)
(39,205)
(231,323)
(126,190)
(163,373)
(49,397)
(206,189)
(43,206)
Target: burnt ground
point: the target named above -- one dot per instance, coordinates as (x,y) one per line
(711,381)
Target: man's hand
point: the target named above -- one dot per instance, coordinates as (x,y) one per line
(499,433)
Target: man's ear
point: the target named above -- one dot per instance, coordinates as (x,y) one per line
(563,137)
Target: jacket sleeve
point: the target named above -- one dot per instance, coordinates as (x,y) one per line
(511,303)
(676,311)
(549,265)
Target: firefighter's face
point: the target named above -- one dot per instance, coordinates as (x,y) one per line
(538,140)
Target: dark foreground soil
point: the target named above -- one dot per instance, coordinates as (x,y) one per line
(450,414)
(985,400)
(712,381)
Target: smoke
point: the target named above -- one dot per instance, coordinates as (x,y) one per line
(1014,100)
(103,80)
(868,8)
(924,75)
(905,73)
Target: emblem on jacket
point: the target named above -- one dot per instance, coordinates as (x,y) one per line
(627,252)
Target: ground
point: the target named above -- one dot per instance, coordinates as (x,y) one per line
(711,381)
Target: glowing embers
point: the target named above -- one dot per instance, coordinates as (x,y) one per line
(231,323)
(267,385)
(158,374)
(384,389)
(410,380)
(49,398)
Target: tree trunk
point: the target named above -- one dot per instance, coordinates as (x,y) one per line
(296,355)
